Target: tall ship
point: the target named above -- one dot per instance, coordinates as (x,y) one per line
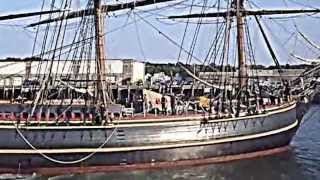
(73,122)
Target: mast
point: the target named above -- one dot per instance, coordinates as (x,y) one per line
(240,43)
(100,53)
(238,5)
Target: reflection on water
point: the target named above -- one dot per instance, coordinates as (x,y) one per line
(282,166)
(302,163)
(307,144)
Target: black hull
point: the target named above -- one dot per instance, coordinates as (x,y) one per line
(213,139)
(195,155)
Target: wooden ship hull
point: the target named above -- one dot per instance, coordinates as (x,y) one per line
(145,143)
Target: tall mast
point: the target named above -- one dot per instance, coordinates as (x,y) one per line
(238,5)
(100,52)
(240,43)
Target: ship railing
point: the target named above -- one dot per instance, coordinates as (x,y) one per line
(49,117)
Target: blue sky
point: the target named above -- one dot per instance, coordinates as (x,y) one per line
(16,41)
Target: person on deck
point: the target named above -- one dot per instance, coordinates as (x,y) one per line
(105,118)
(59,114)
(68,116)
(145,103)
(83,118)
(163,104)
(286,92)
(173,104)
(97,116)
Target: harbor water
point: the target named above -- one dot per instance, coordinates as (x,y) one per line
(302,162)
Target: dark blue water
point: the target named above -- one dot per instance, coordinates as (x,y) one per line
(301,163)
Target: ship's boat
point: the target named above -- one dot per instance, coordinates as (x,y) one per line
(47,131)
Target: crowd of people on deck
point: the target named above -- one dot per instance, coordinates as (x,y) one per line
(217,102)
(173,104)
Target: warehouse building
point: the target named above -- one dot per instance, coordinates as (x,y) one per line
(118,71)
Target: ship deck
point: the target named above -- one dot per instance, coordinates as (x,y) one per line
(148,117)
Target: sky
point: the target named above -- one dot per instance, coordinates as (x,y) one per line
(140,41)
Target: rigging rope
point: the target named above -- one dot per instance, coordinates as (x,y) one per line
(60,161)
(185,32)
(138,37)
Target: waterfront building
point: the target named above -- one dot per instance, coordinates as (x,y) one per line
(119,71)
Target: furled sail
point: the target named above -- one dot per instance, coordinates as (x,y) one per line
(104,9)
(82,91)
(305,59)
(203,81)
(29,14)
(313,44)
(246,13)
